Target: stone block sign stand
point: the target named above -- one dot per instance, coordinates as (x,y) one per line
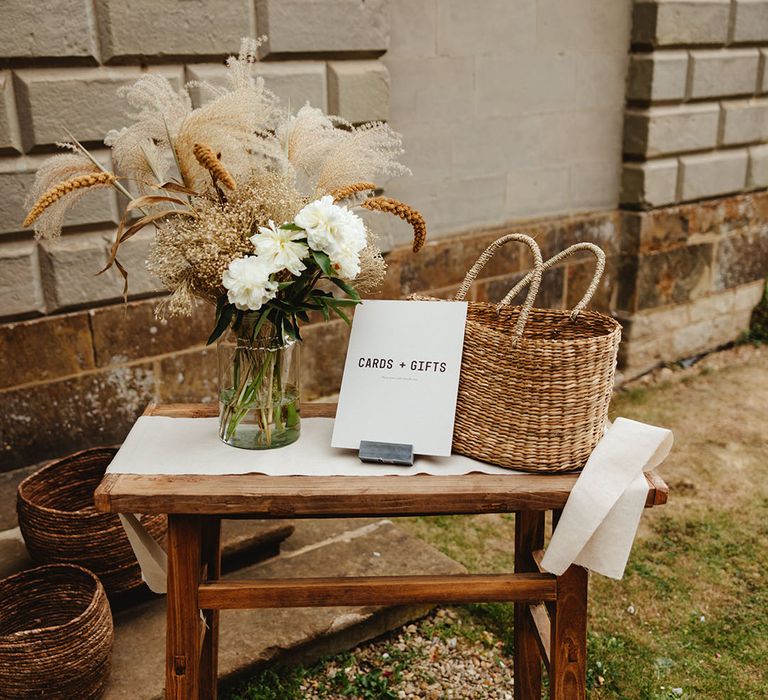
(550,611)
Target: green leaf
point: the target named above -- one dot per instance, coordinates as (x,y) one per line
(262,319)
(349,290)
(296,329)
(290,226)
(238,320)
(282,305)
(222,322)
(345,302)
(341,314)
(323,262)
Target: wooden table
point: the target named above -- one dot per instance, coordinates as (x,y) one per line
(550,611)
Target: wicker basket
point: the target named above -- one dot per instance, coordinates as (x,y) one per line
(535,383)
(60,524)
(55,634)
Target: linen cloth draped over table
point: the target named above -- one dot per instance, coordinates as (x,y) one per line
(596,529)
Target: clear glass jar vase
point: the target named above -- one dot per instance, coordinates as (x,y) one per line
(259,398)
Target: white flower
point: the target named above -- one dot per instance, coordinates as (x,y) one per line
(346,262)
(353,229)
(334,230)
(318,219)
(278,248)
(248,284)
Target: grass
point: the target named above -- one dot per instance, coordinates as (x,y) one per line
(689,618)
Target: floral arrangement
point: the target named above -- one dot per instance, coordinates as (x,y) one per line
(252,206)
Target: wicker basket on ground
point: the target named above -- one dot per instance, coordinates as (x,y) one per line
(60,524)
(535,384)
(55,634)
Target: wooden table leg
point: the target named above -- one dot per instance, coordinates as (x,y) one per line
(568,672)
(182,642)
(209,655)
(529,536)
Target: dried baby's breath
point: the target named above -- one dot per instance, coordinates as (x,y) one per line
(373,269)
(190,255)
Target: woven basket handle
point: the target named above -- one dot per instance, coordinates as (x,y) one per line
(599,268)
(533,277)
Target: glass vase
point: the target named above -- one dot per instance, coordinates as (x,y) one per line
(259,398)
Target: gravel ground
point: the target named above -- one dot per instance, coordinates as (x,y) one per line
(444,655)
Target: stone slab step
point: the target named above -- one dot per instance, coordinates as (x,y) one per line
(254,638)
(243,542)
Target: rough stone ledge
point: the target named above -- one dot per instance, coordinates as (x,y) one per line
(655,337)
(670,227)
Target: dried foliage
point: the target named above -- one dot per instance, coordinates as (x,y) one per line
(210,161)
(327,153)
(342,193)
(405,212)
(51,205)
(142,151)
(373,268)
(190,254)
(209,176)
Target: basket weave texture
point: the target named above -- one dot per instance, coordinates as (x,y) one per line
(56,634)
(60,524)
(535,384)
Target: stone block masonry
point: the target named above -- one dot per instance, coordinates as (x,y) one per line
(513,118)
(61,67)
(690,276)
(695,129)
(84,100)
(308,26)
(697,94)
(162,29)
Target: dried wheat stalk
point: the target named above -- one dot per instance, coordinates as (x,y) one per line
(347,191)
(406,213)
(54,194)
(207,157)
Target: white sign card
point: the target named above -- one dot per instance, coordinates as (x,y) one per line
(401,376)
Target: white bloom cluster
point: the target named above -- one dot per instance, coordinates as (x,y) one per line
(334,230)
(279,248)
(326,227)
(248,284)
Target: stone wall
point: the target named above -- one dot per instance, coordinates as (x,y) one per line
(510,113)
(62,62)
(696,126)
(513,116)
(510,110)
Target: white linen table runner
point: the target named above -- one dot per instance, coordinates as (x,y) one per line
(596,529)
